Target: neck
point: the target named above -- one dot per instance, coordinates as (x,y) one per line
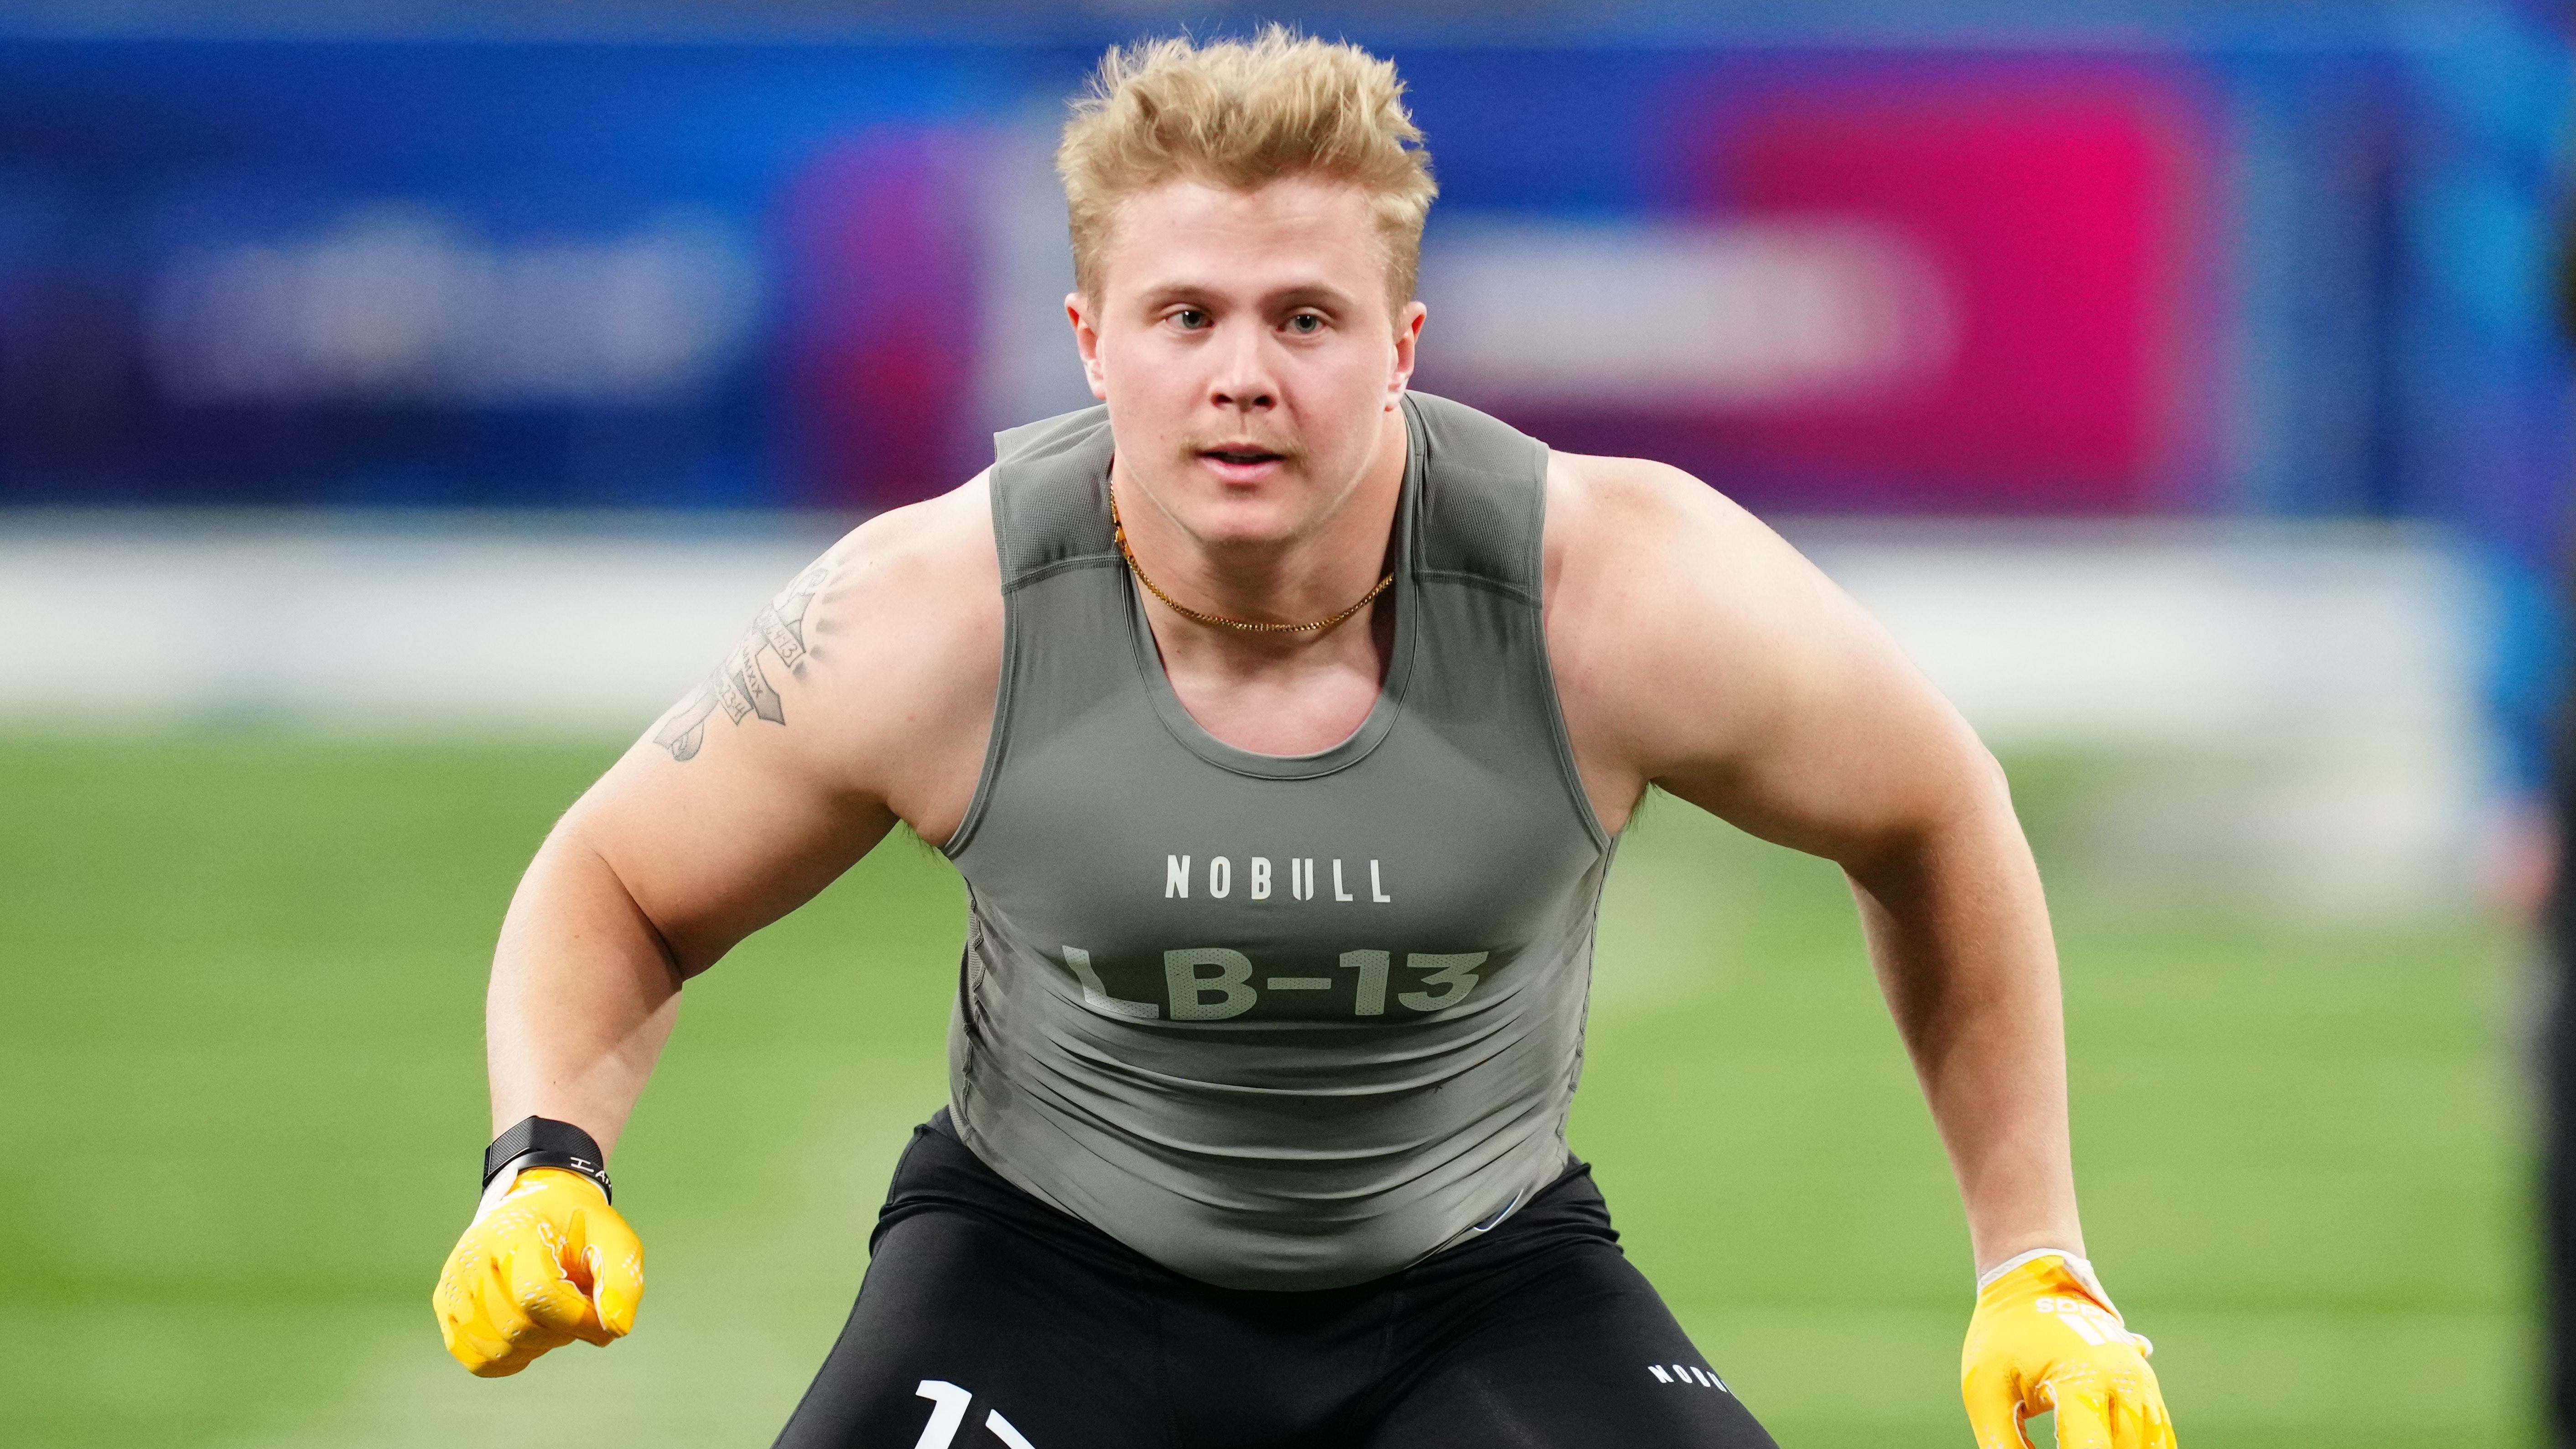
(1310,575)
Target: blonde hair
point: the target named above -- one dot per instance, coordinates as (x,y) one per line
(1237,114)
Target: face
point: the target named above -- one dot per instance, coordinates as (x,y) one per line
(1244,344)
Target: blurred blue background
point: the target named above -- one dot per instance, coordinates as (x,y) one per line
(426,268)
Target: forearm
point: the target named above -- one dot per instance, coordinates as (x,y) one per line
(1959,934)
(583,994)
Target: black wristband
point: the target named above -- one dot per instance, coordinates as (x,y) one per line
(545,1142)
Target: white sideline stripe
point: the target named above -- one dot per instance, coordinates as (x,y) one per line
(443,625)
(2144,634)
(2340,660)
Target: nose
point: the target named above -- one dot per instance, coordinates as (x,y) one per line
(1243,381)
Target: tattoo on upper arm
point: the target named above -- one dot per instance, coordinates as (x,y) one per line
(739,686)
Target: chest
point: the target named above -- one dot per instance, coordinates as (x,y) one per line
(1405,884)
(1278,697)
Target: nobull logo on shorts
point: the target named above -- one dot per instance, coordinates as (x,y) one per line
(1218,882)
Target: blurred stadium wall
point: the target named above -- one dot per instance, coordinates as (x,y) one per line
(2293,707)
(2195,362)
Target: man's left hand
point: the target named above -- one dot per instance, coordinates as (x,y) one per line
(2045,1337)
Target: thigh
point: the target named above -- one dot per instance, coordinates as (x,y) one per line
(971,1333)
(1574,1352)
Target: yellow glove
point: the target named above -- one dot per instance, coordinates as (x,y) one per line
(544,1263)
(2045,1336)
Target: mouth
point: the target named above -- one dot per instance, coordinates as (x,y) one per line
(1241,455)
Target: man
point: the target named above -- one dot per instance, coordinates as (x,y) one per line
(1282,724)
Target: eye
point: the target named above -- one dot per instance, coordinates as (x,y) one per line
(1305,324)
(1190,319)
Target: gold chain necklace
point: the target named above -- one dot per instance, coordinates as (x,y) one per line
(1219,620)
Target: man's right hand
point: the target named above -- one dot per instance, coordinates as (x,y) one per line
(547,1263)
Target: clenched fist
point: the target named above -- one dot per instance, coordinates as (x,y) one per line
(548,1262)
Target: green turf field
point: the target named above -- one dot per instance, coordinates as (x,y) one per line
(241,1106)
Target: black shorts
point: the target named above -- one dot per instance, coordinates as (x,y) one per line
(991,1319)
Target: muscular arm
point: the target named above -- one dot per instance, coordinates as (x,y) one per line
(1697,651)
(1960,937)
(858,698)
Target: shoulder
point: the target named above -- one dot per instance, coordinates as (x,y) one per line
(901,624)
(1618,504)
(910,598)
(931,561)
(1677,622)
(1695,649)
(1641,545)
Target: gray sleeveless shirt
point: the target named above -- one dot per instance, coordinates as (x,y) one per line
(1276,1021)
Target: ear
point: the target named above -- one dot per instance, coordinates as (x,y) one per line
(1086,341)
(1408,333)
